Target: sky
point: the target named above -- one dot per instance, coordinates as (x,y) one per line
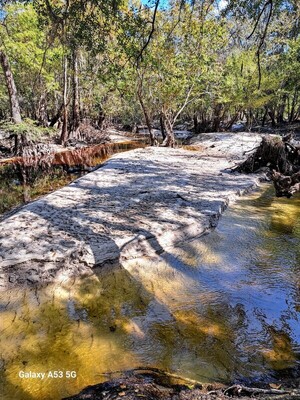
(222,3)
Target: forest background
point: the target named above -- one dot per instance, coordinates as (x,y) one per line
(207,64)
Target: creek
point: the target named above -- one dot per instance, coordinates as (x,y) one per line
(60,169)
(223,307)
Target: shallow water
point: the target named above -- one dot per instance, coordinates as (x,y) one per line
(222,307)
(65,167)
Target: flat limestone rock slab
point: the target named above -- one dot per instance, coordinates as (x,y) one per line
(139,203)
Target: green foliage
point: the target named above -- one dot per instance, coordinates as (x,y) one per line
(197,61)
(35,57)
(29,128)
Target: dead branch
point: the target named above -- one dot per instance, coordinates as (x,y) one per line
(239,390)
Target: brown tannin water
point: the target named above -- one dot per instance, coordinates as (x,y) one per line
(63,168)
(223,307)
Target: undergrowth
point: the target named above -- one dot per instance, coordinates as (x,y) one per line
(29,128)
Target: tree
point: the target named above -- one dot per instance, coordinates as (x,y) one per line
(35,60)
(11,88)
(77,63)
(77,23)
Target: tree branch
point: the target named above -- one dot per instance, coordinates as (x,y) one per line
(264,34)
(140,55)
(262,40)
(258,19)
(184,105)
(53,16)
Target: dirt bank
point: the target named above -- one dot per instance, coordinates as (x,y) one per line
(155,384)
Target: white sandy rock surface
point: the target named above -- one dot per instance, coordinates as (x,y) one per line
(139,203)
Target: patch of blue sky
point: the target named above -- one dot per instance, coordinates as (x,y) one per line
(164,3)
(151,3)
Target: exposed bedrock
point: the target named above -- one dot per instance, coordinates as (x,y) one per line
(139,203)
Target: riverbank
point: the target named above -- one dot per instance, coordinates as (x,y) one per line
(139,203)
(56,151)
(23,180)
(154,384)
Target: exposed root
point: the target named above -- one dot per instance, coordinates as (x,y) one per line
(282,158)
(286,185)
(87,133)
(150,384)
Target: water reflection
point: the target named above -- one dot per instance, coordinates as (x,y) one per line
(23,180)
(222,307)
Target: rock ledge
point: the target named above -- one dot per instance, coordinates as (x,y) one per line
(138,203)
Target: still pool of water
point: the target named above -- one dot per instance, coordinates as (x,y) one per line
(65,166)
(219,308)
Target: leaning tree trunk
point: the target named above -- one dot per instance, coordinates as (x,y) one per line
(233,119)
(263,122)
(11,88)
(153,140)
(272,116)
(169,140)
(64,130)
(57,116)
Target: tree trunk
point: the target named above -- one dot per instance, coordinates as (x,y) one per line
(56,117)
(263,122)
(297,114)
(280,113)
(162,127)
(272,116)
(294,102)
(11,88)
(231,121)
(101,119)
(197,126)
(217,118)
(42,110)
(169,140)
(153,140)
(64,130)
(76,104)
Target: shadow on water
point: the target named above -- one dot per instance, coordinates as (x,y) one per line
(222,307)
